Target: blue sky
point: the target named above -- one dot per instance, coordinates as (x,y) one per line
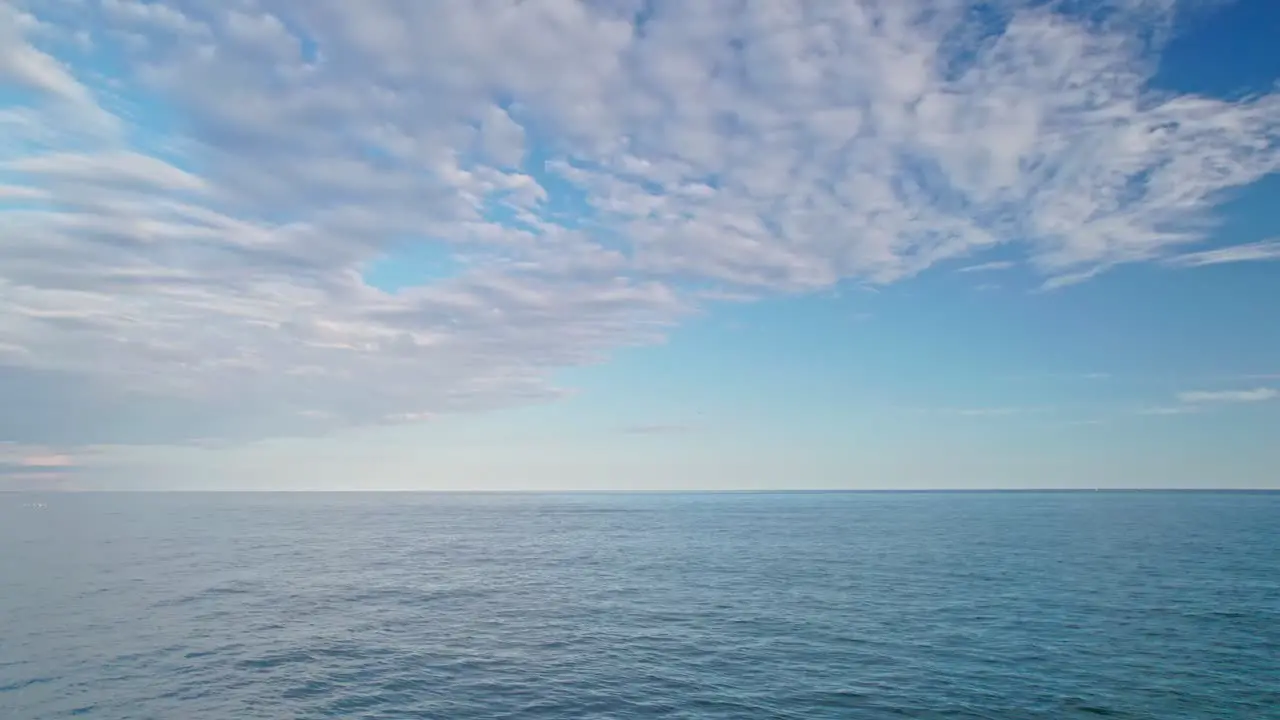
(625,245)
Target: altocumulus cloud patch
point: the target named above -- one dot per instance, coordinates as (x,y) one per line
(217,263)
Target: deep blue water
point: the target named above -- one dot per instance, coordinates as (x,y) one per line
(983,605)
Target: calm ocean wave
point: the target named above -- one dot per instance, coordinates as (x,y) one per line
(1020,606)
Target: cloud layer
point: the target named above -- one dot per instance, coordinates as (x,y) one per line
(1253,395)
(25,467)
(191,192)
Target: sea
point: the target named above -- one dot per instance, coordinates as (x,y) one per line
(1017,605)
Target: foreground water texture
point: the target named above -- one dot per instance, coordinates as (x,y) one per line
(1131,605)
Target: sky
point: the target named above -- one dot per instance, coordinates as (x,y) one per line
(639,244)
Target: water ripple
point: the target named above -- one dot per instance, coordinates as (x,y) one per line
(1018,606)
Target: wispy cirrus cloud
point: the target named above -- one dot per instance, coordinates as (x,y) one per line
(1169,410)
(26,467)
(47,461)
(988,266)
(1248,252)
(1252,395)
(1191,402)
(184,252)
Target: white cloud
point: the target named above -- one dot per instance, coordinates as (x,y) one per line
(1249,252)
(1169,410)
(107,168)
(32,456)
(502,138)
(988,266)
(204,262)
(25,66)
(20,192)
(33,467)
(1260,394)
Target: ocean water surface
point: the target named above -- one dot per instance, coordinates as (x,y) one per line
(859,605)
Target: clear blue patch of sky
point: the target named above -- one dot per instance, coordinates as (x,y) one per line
(412,263)
(1130,338)
(807,365)
(17,96)
(1223,50)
